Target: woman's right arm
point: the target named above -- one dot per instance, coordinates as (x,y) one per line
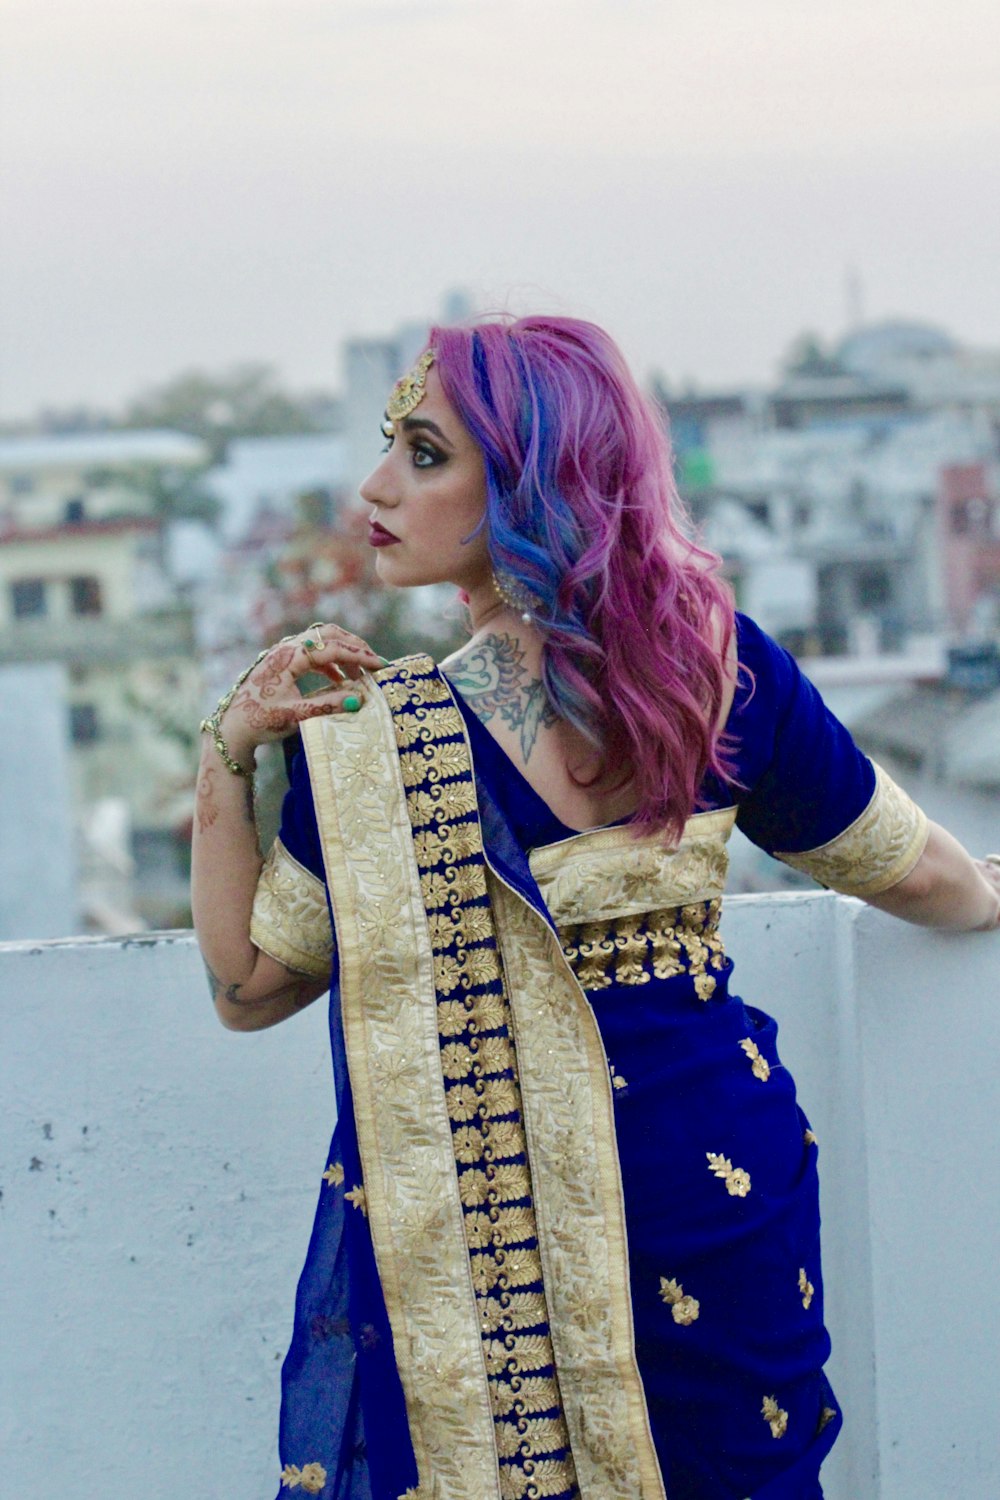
(251,989)
(946,888)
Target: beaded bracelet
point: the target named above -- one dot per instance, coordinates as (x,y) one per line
(213,724)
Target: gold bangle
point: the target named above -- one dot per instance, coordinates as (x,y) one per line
(213,724)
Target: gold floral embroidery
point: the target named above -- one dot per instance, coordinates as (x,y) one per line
(617,1080)
(290,918)
(356,1197)
(312,1478)
(537,1393)
(806,1288)
(877,851)
(657,944)
(541,1479)
(825,1417)
(759,1065)
(580,882)
(462,1102)
(809,1137)
(737,1181)
(685,1309)
(334,1174)
(775,1417)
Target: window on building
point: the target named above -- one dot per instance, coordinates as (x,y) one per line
(28,598)
(83,726)
(874,588)
(75,512)
(85,596)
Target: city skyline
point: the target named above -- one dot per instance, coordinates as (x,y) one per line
(196,183)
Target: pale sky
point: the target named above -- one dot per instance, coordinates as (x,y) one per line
(196,182)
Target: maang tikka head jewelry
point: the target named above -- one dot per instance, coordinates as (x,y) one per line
(409,390)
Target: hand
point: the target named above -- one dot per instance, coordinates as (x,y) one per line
(989,869)
(269,705)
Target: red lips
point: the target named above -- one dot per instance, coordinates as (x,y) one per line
(379,537)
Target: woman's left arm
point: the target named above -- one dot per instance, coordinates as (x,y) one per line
(946,888)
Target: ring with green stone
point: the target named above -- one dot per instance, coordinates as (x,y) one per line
(351,704)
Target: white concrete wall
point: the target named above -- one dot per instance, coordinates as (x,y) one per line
(38,867)
(159,1174)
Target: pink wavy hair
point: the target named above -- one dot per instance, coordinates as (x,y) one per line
(584,520)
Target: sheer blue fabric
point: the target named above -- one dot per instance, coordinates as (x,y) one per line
(683,1079)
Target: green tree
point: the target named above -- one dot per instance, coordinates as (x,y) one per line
(246,401)
(807,356)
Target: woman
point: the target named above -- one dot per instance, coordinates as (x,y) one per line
(567,1240)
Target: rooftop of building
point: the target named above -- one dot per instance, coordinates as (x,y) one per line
(100,449)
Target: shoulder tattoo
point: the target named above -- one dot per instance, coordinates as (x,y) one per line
(492,678)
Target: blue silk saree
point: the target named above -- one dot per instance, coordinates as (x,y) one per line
(567,1240)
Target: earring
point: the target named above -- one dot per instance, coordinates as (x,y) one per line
(514,595)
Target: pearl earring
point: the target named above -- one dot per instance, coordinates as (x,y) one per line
(513,594)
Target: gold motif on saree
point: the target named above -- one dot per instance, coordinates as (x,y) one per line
(290,918)
(876,852)
(809,1137)
(334,1174)
(806,1288)
(311,1477)
(737,1181)
(774,1416)
(356,1198)
(685,1309)
(759,1065)
(656,944)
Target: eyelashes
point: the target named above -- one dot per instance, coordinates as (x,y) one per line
(431,456)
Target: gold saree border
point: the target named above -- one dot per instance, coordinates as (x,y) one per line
(389,1009)
(580,1211)
(876,851)
(290,920)
(607,873)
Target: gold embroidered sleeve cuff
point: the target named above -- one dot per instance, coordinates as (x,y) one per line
(290,918)
(877,851)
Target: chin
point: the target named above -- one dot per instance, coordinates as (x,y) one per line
(397,574)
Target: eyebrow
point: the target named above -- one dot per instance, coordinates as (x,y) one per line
(415,424)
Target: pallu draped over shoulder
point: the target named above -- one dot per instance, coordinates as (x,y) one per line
(567,1240)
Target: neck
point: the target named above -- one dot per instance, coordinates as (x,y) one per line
(488,611)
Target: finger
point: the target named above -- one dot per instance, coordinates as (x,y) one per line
(333,634)
(331,702)
(347,660)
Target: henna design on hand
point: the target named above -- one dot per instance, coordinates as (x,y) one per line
(271,720)
(269,674)
(206,807)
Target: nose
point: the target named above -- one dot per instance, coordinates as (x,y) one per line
(377,488)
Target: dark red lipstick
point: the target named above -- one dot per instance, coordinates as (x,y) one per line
(379,537)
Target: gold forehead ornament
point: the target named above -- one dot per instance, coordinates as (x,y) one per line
(408,392)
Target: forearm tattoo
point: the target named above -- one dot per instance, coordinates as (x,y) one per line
(300,991)
(492,678)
